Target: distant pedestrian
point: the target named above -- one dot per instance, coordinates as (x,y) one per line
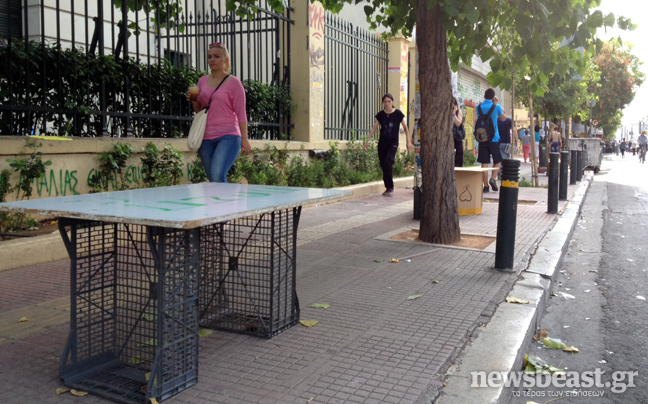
(622,147)
(389,120)
(556,140)
(536,129)
(457,126)
(504,127)
(490,148)
(526,144)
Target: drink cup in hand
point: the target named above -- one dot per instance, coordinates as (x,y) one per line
(193,92)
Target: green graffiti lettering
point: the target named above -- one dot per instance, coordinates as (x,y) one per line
(183,203)
(41,183)
(224,200)
(151,207)
(254,194)
(52,183)
(70,182)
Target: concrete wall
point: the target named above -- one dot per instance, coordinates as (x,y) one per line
(75,160)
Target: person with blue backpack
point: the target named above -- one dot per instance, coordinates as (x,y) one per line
(487,135)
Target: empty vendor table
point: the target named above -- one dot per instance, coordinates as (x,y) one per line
(470,189)
(149,266)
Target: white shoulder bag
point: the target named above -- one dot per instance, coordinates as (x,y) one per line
(197,130)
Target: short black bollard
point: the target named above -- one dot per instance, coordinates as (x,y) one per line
(552,192)
(574,168)
(579,165)
(562,183)
(418,203)
(507,215)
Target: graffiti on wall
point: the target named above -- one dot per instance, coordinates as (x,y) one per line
(316,21)
(61,182)
(131,179)
(53,183)
(404,78)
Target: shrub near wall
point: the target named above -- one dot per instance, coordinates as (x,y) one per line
(76,162)
(66,86)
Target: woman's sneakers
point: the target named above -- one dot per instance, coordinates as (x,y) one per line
(388,192)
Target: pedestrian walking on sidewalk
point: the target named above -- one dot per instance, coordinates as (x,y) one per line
(226,128)
(556,140)
(536,130)
(491,147)
(507,139)
(622,147)
(458,132)
(526,144)
(389,121)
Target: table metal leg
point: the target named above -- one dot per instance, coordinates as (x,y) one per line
(248,274)
(134,310)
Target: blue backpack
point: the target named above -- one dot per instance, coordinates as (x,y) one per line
(484,128)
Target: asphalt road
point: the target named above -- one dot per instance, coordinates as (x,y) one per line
(599,304)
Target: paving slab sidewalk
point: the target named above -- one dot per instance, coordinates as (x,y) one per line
(372,345)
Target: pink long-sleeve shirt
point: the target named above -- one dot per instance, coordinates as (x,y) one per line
(227,108)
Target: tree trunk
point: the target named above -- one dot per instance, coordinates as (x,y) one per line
(439,215)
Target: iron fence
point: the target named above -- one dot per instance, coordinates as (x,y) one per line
(355,78)
(92,69)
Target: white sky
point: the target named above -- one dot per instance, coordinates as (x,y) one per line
(636,10)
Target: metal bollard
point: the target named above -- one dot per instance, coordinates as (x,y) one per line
(418,203)
(579,165)
(552,192)
(507,215)
(574,163)
(564,167)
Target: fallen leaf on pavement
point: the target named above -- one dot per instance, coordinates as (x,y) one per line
(151,342)
(137,360)
(378,260)
(517,300)
(393,260)
(536,365)
(148,316)
(22,320)
(205,332)
(61,390)
(571,349)
(553,343)
(78,393)
(413,297)
(321,305)
(541,334)
(308,323)
(435,281)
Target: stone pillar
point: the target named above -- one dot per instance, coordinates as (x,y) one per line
(307,73)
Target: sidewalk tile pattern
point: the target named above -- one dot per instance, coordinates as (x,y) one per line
(372,345)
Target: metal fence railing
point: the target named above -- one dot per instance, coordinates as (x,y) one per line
(355,78)
(92,69)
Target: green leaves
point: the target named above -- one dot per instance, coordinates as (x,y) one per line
(486,54)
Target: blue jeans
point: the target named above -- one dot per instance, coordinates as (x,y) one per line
(218,155)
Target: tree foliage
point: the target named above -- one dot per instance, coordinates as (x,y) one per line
(620,77)
(543,36)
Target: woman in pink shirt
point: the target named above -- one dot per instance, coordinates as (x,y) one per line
(226,129)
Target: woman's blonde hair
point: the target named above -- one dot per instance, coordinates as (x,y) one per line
(220,45)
